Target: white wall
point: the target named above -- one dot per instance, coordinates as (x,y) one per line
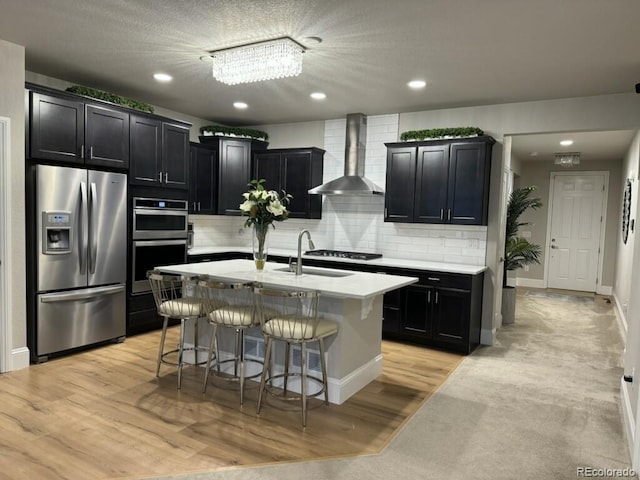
(625,294)
(12,106)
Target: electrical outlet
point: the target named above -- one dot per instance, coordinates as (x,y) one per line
(526,268)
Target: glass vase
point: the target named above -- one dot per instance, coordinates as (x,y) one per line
(260,240)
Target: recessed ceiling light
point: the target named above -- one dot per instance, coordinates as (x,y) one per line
(312,40)
(318,95)
(162,77)
(240,105)
(533,154)
(417,84)
(566,143)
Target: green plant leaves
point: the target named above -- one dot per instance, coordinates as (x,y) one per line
(110,97)
(434,133)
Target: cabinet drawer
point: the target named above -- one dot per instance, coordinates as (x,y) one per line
(447,280)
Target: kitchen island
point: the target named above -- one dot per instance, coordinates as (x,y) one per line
(352,299)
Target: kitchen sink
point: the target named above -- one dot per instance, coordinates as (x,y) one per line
(314,271)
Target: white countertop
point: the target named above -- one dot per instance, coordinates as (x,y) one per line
(383,262)
(340,283)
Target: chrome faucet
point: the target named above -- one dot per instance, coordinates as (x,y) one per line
(298,263)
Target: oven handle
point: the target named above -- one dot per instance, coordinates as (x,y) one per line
(160,212)
(158,243)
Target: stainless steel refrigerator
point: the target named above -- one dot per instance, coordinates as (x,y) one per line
(81,244)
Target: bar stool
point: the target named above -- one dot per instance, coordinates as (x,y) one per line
(173,295)
(228,305)
(297,322)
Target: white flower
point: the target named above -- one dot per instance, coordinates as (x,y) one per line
(265,195)
(246,195)
(247,205)
(276,208)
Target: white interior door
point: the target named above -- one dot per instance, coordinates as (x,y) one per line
(574,238)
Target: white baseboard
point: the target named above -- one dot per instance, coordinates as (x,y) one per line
(620,317)
(487,336)
(19,358)
(530,282)
(340,389)
(627,417)
(604,290)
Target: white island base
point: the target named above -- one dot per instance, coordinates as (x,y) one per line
(353,300)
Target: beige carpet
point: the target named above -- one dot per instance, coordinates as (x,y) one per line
(541,403)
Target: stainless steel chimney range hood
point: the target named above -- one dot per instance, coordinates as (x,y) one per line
(353,182)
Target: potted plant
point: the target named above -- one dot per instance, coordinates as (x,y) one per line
(518,251)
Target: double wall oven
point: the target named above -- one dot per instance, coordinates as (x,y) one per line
(159,237)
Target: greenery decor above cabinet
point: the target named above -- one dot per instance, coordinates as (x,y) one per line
(294,170)
(203,179)
(441,181)
(159,153)
(67,130)
(234,169)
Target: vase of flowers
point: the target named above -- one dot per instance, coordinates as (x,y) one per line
(263,207)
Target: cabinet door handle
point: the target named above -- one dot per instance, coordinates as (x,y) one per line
(436,297)
(160,177)
(166,177)
(429,296)
(442,214)
(82,151)
(448,214)
(194,206)
(91,152)
(433,279)
(198,206)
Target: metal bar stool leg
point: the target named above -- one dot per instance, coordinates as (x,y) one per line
(161,348)
(323,362)
(241,356)
(212,344)
(287,353)
(265,369)
(180,352)
(303,382)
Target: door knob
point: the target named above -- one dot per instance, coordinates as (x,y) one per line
(553,246)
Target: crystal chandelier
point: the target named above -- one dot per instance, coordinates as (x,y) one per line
(567,159)
(254,62)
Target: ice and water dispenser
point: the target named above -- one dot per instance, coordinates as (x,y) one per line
(56,232)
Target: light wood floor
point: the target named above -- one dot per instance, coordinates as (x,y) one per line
(102,414)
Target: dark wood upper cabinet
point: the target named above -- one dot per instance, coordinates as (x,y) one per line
(71,131)
(234,169)
(235,174)
(175,155)
(106,137)
(146,145)
(441,181)
(159,153)
(56,128)
(294,170)
(203,180)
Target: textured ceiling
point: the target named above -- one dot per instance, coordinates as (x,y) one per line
(471,52)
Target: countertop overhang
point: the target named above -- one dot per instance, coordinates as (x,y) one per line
(330,282)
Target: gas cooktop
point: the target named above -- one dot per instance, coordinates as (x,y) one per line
(343,254)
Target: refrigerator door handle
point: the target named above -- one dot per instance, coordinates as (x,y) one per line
(85,294)
(93,235)
(82,233)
